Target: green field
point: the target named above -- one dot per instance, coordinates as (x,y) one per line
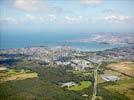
(82,73)
(82,85)
(125,87)
(13,74)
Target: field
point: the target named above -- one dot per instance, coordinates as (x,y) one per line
(88,73)
(122,89)
(12,74)
(124,67)
(82,85)
(118,74)
(125,87)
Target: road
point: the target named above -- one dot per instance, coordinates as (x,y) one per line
(96,67)
(95,85)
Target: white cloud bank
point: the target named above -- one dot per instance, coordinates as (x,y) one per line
(75,19)
(35,5)
(119,19)
(28,5)
(29,18)
(52,16)
(8,20)
(91,2)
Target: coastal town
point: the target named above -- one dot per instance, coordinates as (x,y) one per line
(66,55)
(108,38)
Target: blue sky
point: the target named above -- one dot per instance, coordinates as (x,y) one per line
(83,16)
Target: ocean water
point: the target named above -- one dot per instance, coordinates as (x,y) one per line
(18,40)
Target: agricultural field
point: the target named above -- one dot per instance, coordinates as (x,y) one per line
(124,67)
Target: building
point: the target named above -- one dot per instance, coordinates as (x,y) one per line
(68,84)
(110,78)
(80,64)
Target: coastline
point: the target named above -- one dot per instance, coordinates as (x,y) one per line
(86,47)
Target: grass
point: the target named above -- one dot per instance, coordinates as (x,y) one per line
(82,85)
(21,76)
(125,87)
(12,74)
(81,73)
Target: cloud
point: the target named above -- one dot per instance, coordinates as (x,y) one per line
(30,17)
(69,18)
(8,20)
(35,5)
(52,16)
(28,5)
(119,19)
(111,11)
(91,2)
(73,19)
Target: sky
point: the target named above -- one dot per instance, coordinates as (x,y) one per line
(67,16)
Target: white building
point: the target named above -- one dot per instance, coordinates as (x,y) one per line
(110,78)
(80,64)
(68,84)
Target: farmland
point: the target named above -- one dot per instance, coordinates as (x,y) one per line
(126,68)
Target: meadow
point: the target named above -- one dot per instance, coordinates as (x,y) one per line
(82,85)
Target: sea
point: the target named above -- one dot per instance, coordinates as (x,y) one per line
(19,40)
